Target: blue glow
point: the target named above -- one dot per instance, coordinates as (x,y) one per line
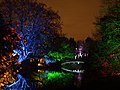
(32,38)
(30,42)
(49,61)
(20,84)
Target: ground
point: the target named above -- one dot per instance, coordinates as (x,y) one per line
(103,83)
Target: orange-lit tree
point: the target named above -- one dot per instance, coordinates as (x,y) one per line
(8,40)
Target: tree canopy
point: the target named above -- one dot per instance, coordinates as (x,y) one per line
(64,49)
(108,47)
(36,25)
(8,42)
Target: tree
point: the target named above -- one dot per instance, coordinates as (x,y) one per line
(81,50)
(63,50)
(90,45)
(60,80)
(8,41)
(108,47)
(36,25)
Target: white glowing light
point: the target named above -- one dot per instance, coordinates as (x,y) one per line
(73,62)
(39,64)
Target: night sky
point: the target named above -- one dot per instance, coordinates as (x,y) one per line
(77,16)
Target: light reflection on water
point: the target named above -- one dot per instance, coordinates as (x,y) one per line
(44,79)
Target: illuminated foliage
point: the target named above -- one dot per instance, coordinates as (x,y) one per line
(39,78)
(6,78)
(59,79)
(8,40)
(36,25)
(65,50)
(108,46)
(45,79)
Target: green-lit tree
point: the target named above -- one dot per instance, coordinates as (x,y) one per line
(59,80)
(52,79)
(64,50)
(107,53)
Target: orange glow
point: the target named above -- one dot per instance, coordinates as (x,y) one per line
(13,29)
(77,16)
(18,25)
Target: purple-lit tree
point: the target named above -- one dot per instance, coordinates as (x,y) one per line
(36,25)
(81,50)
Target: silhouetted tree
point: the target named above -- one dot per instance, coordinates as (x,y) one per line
(90,44)
(72,42)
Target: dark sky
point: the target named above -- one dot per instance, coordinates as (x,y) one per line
(77,16)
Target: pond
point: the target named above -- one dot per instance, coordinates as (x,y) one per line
(55,76)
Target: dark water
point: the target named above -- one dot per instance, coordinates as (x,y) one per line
(31,77)
(53,77)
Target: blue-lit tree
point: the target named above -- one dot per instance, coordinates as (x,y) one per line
(37,26)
